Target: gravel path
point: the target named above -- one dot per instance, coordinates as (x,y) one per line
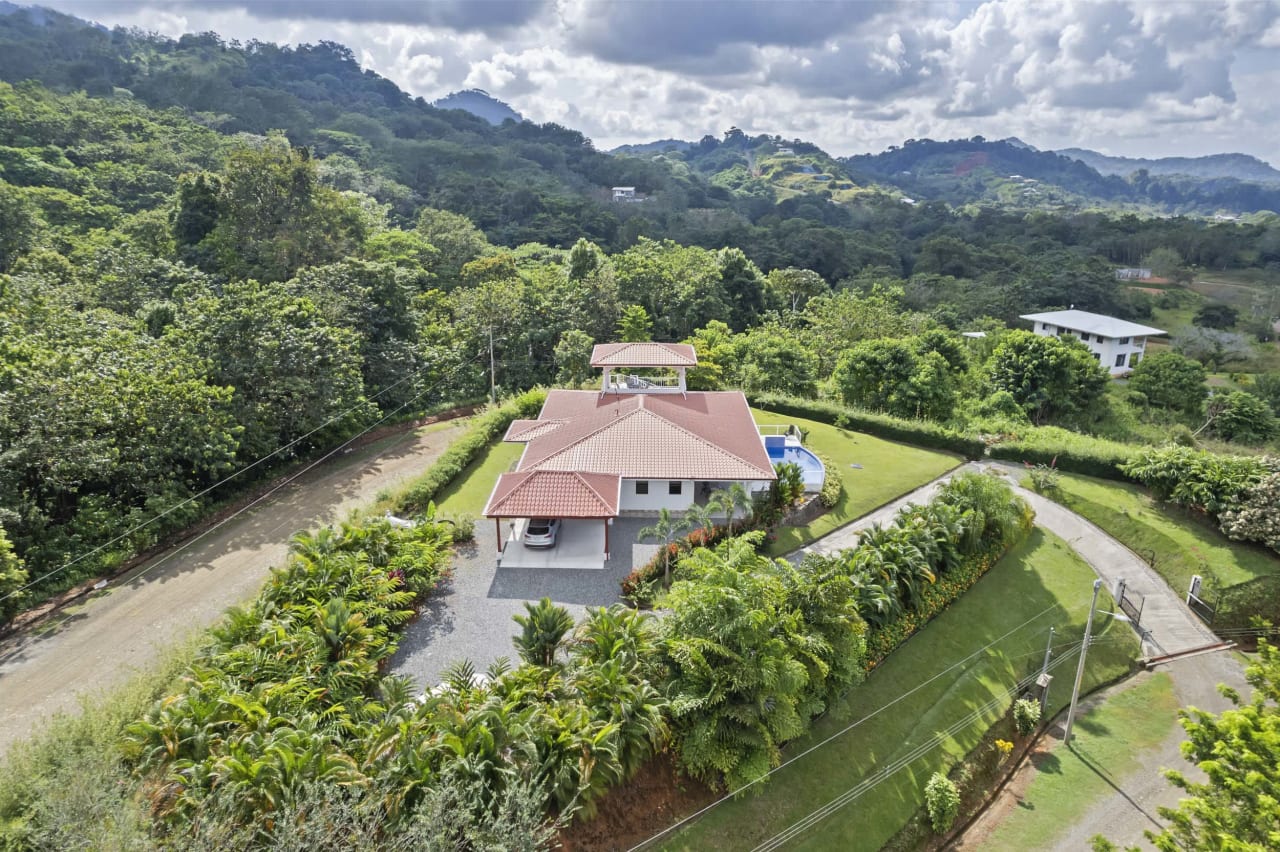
(97,644)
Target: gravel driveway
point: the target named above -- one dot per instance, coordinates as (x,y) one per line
(469,617)
(97,644)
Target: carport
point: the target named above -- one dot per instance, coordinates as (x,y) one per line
(585,503)
(580,544)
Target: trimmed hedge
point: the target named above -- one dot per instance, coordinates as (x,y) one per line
(489,426)
(918,432)
(1069,451)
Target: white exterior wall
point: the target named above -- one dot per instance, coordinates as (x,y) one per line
(1107,349)
(658,496)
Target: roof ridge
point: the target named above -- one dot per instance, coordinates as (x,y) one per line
(671,423)
(581,478)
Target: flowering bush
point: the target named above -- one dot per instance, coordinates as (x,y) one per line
(942,801)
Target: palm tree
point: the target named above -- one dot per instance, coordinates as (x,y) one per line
(700,517)
(544,628)
(736,500)
(666,529)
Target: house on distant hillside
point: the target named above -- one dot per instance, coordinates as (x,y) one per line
(641,443)
(1133,273)
(1117,344)
(625,194)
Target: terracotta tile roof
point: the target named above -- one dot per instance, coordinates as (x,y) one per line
(554,494)
(706,436)
(643,355)
(526,430)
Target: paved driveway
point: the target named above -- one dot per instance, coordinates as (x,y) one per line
(469,617)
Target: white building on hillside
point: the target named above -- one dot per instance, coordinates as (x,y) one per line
(1117,344)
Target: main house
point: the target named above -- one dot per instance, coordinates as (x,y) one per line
(641,443)
(1117,344)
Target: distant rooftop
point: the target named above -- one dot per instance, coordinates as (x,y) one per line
(1094,324)
(643,355)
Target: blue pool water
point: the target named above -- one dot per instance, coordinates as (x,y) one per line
(814,473)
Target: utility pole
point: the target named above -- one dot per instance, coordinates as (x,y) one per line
(1084,649)
(493,385)
(1044,678)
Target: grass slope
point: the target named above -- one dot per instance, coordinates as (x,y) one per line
(1041,581)
(888,471)
(1106,744)
(1182,545)
(468,493)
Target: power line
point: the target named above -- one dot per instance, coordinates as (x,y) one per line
(798,827)
(289,480)
(842,731)
(250,466)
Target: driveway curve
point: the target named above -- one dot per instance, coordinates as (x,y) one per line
(97,644)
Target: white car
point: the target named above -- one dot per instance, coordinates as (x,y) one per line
(541,532)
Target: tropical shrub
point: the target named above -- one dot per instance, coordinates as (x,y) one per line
(1196,479)
(1256,515)
(543,629)
(942,801)
(1044,478)
(1066,450)
(755,647)
(1243,417)
(1026,715)
(832,485)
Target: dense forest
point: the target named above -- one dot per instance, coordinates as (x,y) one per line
(215,253)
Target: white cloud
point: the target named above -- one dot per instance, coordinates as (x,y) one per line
(1142,77)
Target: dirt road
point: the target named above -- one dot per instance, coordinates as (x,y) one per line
(97,644)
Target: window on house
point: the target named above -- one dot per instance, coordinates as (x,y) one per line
(1123,341)
(642,486)
(1084,335)
(1097,356)
(1101,339)
(1120,359)
(674,486)
(1061,330)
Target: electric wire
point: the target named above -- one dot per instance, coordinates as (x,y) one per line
(843,731)
(187,500)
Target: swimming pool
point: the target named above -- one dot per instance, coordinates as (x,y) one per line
(810,466)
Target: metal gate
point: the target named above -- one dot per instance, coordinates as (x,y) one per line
(1130,602)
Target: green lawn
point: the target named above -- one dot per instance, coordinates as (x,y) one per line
(1182,546)
(468,493)
(1106,743)
(1041,574)
(888,471)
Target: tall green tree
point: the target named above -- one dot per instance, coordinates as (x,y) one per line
(274,216)
(635,326)
(1050,377)
(1170,381)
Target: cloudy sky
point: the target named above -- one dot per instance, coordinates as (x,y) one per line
(1141,78)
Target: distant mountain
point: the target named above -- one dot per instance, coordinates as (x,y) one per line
(656,147)
(1237,166)
(1011,174)
(479,103)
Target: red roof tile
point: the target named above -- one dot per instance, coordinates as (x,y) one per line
(554,494)
(526,430)
(705,436)
(643,355)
